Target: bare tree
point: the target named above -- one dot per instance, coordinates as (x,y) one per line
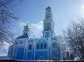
(75,38)
(6,18)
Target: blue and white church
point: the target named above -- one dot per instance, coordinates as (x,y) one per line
(46,47)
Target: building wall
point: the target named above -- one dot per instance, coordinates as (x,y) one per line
(21,51)
(39,55)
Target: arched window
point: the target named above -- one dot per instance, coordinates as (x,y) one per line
(38,46)
(30,47)
(21,42)
(41,46)
(45,46)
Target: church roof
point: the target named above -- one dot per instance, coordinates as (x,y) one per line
(23,36)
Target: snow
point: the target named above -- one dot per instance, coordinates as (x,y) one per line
(76,58)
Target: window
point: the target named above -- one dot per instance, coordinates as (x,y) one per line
(21,42)
(38,46)
(16,42)
(47,26)
(44,46)
(47,34)
(41,46)
(30,47)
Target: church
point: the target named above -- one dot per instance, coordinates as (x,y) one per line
(46,47)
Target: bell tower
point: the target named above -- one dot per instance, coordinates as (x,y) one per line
(48,24)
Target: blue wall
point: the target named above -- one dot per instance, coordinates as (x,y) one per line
(30,55)
(20,53)
(41,55)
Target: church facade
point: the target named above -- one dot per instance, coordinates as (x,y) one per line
(45,48)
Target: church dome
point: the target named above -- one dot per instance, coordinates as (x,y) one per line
(23,36)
